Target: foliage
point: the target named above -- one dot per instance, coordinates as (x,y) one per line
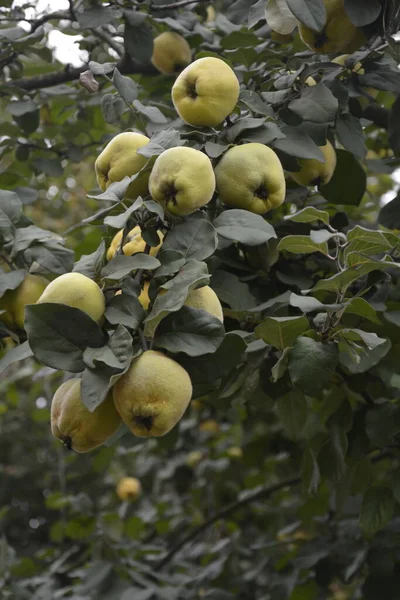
(303,377)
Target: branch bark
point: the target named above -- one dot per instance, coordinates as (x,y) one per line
(264,492)
(179,4)
(125,66)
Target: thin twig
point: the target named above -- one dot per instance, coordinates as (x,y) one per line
(264,492)
(103,35)
(179,4)
(234,506)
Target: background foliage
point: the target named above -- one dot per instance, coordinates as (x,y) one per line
(306,380)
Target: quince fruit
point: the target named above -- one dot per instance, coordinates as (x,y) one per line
(337,33)
(133,243)
(206,92)
(14,301)
(182,180)
(171,52)
(120,159)
(358,69)
(76,290)
(313,172)
(77,427)
(129,488)
(251,177)
(153,394)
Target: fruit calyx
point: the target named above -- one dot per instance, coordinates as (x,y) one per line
(67,441)
(261,192)
(191,90)
(144,422)
(321,39)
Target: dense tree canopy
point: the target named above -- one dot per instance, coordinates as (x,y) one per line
(281,480)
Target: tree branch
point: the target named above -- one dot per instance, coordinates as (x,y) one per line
(58,14)
(179,4)
(264,492)
(125,66)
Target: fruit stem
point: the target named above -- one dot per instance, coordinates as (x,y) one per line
(143,341)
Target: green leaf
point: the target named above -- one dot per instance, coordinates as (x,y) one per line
(281,332)
(127,88)
(362,13)
(253,101)
(311,13)
(316,104)
(362,308)
(367,241)
(192,275)
(389,215)
(312,364)
(292,412)
(331,458)
(371,340)
(152,113)
(309,304)
(125,310)
(91,264)
(171,261)
(281,365)
(11,280)
(349,181)
(112,107)
(297,143)
(383,424)
(95,385)
(310,473)
(301,244)
(58,335)
(244,227)
(191,331)
(120,266)
(194,239)
(95,17)
(207,368)
(310,214)
(350,134)
(16,354)
(377,509)
(138,42)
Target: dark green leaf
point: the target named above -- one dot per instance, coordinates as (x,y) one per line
(310,12)
(193,239)
(362,12)
(312,364)
(138,42)
(244,227)
(292,411)
(281,332)
(58,335)
(377,509)
(191,331)
(17,353)
(349,181)
(120,266)
(127,88)
(316,104)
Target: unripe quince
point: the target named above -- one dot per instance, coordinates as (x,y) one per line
(14,301)
(182,180)
(129,488)
(313,172)
(235,452)
(358,69)
(133,243)
(206,299)
(337,33)
(77,290)
(206,92)
(251,177)
(171,52)
(77,427)
(193,458)
(153,394)
(120,159)
(209,426)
